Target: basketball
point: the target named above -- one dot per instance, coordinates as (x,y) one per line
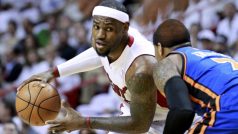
(37,102)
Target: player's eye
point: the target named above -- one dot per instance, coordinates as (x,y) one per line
(96,27)
(109,29)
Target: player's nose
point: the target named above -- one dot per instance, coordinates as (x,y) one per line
(101,35)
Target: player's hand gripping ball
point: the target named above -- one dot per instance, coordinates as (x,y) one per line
(37,102)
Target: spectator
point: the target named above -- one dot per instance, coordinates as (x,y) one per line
(200,11)
(72,10)
(87,131)
(235,50)
(51,20)
(65,50)
(29,43)
(228,26)
(51,6)
(28,26)
(10,38)
(7,13)
(32,65)
(86,7)
(10,128)
(64,23)
(221,45)
(31,12)
(80,34)
(12,67)
(207,38)
(146,19)
(64,85)
(7,113)
(109,107)
(194,30)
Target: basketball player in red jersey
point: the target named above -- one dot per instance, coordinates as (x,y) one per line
(128,59)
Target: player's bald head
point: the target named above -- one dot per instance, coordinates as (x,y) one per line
(171,33)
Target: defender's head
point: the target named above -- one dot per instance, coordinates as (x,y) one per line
(170,34)
(110,26)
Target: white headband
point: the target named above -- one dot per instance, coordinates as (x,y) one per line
(112,13)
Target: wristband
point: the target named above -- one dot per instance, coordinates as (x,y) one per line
(56,72)
(88,123)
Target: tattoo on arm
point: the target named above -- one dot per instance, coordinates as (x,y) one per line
(163,71)
(142,107)
(143,100)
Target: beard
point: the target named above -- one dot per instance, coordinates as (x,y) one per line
(103,54)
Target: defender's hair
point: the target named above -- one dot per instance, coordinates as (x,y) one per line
(171,33)
(114,4)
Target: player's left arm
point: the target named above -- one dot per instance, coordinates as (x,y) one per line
(168,79)
(139,80)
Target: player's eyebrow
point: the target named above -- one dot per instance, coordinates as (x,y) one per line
(108,22)
(95,21)
(105,21)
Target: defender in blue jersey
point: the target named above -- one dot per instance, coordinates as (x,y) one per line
(195,81)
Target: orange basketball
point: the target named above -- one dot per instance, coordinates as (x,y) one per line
(37,102)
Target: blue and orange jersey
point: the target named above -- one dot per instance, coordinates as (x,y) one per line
(208,75)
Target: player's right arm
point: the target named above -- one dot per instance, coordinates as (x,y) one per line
(86,61)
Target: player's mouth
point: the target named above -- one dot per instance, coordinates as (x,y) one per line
(100,44)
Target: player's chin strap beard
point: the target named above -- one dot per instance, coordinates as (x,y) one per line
(123,43)
(125,39)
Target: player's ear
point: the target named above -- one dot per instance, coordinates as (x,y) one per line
(159,49)
(126,26)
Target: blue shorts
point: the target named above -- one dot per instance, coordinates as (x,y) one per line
(223,117)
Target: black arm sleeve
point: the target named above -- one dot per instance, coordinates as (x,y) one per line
(181,113)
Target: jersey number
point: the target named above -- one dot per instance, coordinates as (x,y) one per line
(233,63)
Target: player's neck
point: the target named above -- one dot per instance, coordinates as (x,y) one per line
(116,53)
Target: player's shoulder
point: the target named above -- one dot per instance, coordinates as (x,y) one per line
(143,52)
(140,45)
(175,60)
(142,65)
(141,69)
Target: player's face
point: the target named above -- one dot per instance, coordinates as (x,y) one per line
(107,35)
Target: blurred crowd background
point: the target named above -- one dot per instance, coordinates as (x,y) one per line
(38,34)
